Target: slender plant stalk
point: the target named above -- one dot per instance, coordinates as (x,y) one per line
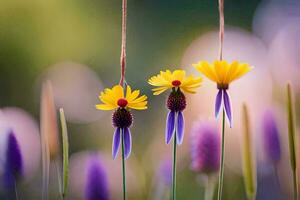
(123,45)
(221,41)
(123,166)
(221,175)
(292,140)
(65,143)
(248,159)
(209,188)
(174,169)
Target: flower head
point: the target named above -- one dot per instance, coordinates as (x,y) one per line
(115,98)
(223,73)
(13,162)
(176,102)
(96,182)
(121,101)
(271,140)
(205,148)
(177,79)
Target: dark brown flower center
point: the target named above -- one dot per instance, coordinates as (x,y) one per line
(122,118)
(176,101)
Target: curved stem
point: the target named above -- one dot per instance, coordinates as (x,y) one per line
(221,174)
(221,28)
(123,45)
(123,166)
(174,169)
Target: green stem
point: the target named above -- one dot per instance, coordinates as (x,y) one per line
(295,184)
(174,169)
(123,167)
(209,188)
(221,175)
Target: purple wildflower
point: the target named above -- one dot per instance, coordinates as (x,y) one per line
(271,140)
(176,103)
(96,183)
(13,162)
(205,148)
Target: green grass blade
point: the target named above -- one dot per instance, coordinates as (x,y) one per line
(292,145)
(249,169)
(65,143)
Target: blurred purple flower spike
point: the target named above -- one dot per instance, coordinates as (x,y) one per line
(205,148)
(13,162)
(96,183)
(271,140)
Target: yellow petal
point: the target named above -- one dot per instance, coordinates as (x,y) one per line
(128,92)
(138,106)
(243,69)
(232,70)
(105,107)
(178,75)
(158,92)
(206,69)
(118,92)
(138,100)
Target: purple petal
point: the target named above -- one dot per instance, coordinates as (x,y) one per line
(170,126)
(180,128)
(127,142)
(227,107)
(218,103)
(116,142)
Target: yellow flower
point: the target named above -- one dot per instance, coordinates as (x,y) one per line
(222,72)
(114,98)
(177,79)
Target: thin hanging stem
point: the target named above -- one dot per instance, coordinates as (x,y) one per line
(221,175)
(123,45)
(123,166)
(174,169)
(221,28)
